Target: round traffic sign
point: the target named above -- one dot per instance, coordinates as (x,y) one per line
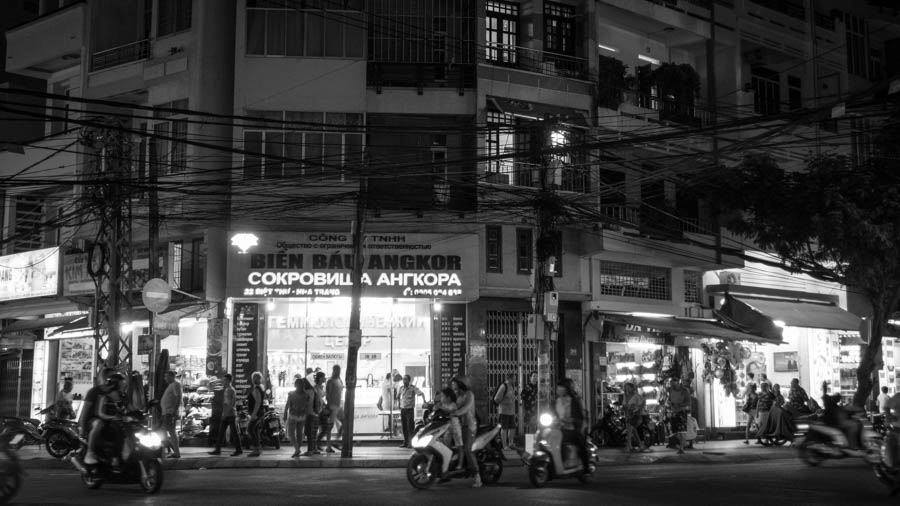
(157,295)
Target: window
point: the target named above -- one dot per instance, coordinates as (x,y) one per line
(168,147)
(303,144)
(693,286)
(59,109)
(502,24)
(422,31)
(860,142)
(524,251)
(334,28)
(559,28)
(635,280)
(174,16)
(856,45)
(439,169)
(28,233)
(795,93)
(767,90)
(500,140)
(493,242)
(557,251)
(567,174)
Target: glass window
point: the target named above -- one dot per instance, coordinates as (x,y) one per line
(174,16)
(693,286)
(559,28)
(494,248)
(766,90)
(635,280)
(502,37)
(500,140)
(524,251)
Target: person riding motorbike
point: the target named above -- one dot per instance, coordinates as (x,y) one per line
(570,414)
(840,417)
(102,405)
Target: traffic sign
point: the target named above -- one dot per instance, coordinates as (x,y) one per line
(157,295)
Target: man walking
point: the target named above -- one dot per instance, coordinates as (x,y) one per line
(229,416)
(408,395)
(334,393)
(505,400)
(170,404)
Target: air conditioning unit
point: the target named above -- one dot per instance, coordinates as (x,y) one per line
(729,278)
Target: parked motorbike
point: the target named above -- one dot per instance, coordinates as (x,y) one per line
(270,427)
(138,461)
(434,458)
(30,428)
(554,459)
(60,435)
(10,468)
(823,441)
(609,430)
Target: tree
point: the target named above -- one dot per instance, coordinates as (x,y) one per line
(833,220)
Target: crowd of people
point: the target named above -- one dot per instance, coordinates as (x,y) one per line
(772,413)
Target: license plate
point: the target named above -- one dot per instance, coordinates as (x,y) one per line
(273,424)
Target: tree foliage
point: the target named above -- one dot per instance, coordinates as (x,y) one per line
(832,219)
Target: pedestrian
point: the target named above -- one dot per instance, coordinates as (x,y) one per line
(634,416)
(317,404)
(229,418)
(63,404)
(763,407)
(798,399)
(529,402)
(295,410)
(334,396)
(679,407)
(170,403)
(505,400)
(255,398)
(570,414)
(779,398)
(446,402)
(407,395)
(751,400)
(465,399)
(883,399)
(386,402)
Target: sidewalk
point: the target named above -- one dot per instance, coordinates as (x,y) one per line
(381,456)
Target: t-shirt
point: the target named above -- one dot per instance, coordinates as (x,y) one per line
(64,404)
(766,400)
(297,403)
(797,398)
(228,400)
(408,396)
(334,391)
(506,399)
(883,399)
(171,399)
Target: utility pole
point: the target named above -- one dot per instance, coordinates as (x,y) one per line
(545,232)
(153,264)
(355,334)
(109,259)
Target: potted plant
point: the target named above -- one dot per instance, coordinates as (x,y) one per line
(613,82)
(677,85)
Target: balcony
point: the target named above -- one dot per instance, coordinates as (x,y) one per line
(650,219)
(61,36)
(120,55)
(668,110)
(535,60)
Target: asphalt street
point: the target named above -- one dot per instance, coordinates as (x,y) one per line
(768,483)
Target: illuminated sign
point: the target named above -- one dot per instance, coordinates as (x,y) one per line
(30,274)
(303,264)
(76,279)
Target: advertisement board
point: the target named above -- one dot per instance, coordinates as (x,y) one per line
(29,274)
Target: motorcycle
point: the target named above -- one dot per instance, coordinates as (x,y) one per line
(434,459)
(140,459)
(10,469)
(887,466)
(552,458)
(270,429)
(610,429)
(60,435)
(823,441)
(427,410)
(29,428)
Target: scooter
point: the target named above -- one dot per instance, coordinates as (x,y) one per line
(427,410)
(10,469)
(552,459)
(29,428)
(434,459)
(822,442)
(140,457)
(60,435)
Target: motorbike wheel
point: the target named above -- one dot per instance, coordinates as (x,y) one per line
(90,481)
(9,486)
(276,441)
(810,456)
(538,475)
(491,468)
(419,472)
(154,479)
(57,444)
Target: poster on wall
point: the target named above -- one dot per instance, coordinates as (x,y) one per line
(786,361)
(215,346)
(76,361)
(452,328)
(246,349)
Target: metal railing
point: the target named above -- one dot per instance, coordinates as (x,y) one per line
(669,110)
(120,55)
(535,60)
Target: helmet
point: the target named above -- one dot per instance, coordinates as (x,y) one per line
(114,378)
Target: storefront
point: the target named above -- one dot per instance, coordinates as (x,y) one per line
(290,311)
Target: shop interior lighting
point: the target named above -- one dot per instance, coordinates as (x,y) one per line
(608,48)
(438,306)
(629,365)
(648,364)
(650,315)
(648,59)
(648,388)
(270,305)
(649,376)
(779,323)
(644,346)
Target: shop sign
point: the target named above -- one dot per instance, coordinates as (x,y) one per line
(452,337)
(76,279)
(326,356)
(29,274)
(215,346)
(398,265)
(246,345)
(145,344)
(637,334)
(166,325)
(370,356)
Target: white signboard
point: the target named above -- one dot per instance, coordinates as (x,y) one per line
(30,274)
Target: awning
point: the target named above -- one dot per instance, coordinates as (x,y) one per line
(675,326)
(538,111)
(797,313)
(39,323)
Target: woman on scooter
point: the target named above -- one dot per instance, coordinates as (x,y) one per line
(465,399)
(570,413)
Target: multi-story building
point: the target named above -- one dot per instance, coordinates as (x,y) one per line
(457,126)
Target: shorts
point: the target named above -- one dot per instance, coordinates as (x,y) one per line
(508,421)
(336,413)
(679,421)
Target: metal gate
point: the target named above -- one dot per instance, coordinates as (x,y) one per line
(504,330)
(15,383)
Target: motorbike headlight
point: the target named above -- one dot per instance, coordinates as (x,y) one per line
(546,420)
(150,440)
(421,442)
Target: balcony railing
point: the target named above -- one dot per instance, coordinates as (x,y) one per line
(794,10)
(654,219)
(669,110)
(536,60)
(120,55)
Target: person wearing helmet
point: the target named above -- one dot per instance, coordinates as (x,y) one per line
(101,405)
